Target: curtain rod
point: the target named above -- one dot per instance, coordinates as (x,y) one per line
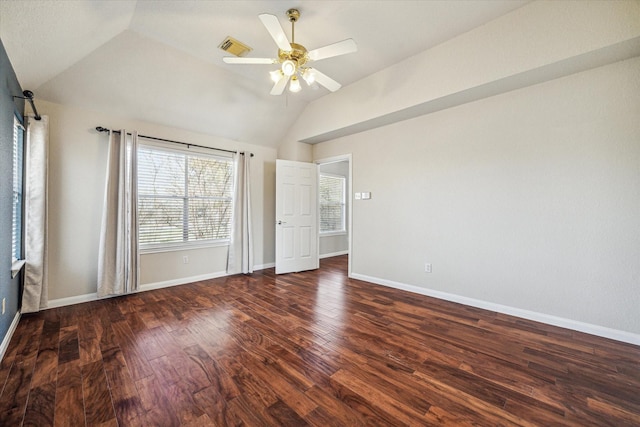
(103,129)
(28,95)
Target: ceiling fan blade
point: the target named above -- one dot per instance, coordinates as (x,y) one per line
(335,49)
(278,88)
(326,81)
(272,25)
(234,60)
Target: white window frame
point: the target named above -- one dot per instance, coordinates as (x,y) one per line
(17,230)
(343,204)
(183,245)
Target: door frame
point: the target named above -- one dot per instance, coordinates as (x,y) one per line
(348,199)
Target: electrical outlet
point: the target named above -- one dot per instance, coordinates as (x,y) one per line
(185,259)
(427,268)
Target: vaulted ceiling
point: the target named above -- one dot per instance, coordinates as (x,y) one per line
(159,61)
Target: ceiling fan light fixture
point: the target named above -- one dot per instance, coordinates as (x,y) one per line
(294,86)
(309,76)
(293,57)
(288,67)
(276,75)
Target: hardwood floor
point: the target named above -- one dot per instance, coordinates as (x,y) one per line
(311,348)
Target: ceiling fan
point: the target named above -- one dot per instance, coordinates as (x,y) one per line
(294,58)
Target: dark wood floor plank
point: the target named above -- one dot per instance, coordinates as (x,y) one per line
(69,407)
(621,416)
(369,411)
(284,387)
(216,407)
(401,411)
(137,363)
(97,398)
(468,406)
(311,348)
(125,397)
(46,367)
(284,415)
(41,406)
(5,367)
(89,350)
(69,348)
(219,379)
(333,408)
(16,391)
(183,403)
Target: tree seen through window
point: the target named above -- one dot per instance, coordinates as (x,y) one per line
(183,197)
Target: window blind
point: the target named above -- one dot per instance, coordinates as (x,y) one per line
(332,203)
(183,198)
(18,163)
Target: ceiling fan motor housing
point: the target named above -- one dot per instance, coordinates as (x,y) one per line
(297,54)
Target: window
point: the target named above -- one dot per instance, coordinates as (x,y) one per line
(18,159)
(183,198)
(332,203)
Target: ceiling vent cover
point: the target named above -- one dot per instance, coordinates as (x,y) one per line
(234,47)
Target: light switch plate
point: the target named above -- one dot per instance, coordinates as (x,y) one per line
(357,196)
(366,196)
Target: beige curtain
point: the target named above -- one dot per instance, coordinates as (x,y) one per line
(241,243)
(118,252)
(35,294)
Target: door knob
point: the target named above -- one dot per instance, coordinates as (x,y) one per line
(281,222)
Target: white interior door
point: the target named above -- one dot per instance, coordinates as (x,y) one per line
(296,216)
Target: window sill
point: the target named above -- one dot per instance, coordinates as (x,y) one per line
(182,247)
(333,233)
(16,266)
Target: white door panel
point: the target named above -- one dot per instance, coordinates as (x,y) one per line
(296,216)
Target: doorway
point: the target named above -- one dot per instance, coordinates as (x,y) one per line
(334,206)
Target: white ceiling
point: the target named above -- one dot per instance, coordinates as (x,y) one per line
(158,61)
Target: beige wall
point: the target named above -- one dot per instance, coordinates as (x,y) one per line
(528,200)
(507,158)
(77,161)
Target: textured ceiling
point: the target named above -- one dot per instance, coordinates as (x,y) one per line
(158,61)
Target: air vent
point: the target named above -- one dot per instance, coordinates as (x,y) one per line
(234,47)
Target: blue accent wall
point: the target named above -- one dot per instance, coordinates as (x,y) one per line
(9,288)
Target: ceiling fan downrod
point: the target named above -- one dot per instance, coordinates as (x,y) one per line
(294,15)
(294,59)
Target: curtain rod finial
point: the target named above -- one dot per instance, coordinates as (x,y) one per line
(101,129)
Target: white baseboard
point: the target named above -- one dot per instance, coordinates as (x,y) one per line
(181,281)
(332,254)
(264,266)
(61,302)
(7,337)
(77,299)
(575,325)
